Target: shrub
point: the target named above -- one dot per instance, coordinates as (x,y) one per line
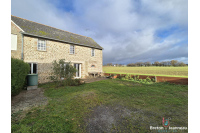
(136,78)
(123,78)
(127,76)
(148,79)
(131,79)
(120,76)
(63,74)
(153,80)
(19,71)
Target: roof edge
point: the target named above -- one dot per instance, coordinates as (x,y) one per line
(17,26)
(60,40)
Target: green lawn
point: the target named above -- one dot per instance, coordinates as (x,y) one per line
(124,106)
(157,71)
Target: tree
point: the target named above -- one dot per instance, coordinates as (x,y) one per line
(156,63)
(147,63)
(174,62)
(181,64)
(109,64)
(139,63)
(130,64)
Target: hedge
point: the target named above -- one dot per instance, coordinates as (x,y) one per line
(19,71)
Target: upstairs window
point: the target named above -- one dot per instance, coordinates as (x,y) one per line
(41,45)
(71,49)
(13,42)
(92,52)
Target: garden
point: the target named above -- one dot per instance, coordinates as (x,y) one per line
(113,105)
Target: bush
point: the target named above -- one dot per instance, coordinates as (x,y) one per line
(153,80)
(148,79)
(131,79)
(128,76)
(136,78)
(120,76)
(123,78)
(63,74)
(19,71)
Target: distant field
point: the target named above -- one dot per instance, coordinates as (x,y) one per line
(158,71)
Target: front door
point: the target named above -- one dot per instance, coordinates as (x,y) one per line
(78,72)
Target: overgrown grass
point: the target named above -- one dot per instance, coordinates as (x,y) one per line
(151,71)
(70,107)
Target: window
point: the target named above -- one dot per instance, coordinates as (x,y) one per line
(41,45)
(13,42)
(33,67)
(92,52)
(71,49)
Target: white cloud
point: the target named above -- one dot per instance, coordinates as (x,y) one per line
(125,29)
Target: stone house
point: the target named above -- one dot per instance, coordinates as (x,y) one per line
(39,45)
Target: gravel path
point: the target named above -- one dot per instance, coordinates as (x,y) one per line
(27,99)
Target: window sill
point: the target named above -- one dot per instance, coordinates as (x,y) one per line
(42,50)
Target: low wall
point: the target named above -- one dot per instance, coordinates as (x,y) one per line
(176,80)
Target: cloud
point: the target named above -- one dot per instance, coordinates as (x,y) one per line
(129,31)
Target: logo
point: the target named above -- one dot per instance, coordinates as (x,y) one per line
(165,122)
(166,127)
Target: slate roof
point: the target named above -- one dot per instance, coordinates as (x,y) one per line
(44,31)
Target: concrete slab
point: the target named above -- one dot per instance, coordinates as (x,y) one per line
(31,87)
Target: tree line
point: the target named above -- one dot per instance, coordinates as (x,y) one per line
(147,64)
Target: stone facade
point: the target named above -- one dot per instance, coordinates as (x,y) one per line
(16,30)
(54,51)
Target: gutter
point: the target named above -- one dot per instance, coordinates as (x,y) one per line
(22,52)
(25,33)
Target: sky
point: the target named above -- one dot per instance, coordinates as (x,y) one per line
(130,31)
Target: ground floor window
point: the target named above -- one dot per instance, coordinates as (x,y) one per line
(33,68)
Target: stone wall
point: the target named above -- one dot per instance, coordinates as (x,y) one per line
(15,30)
(58,50)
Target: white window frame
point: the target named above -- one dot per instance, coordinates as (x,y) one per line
(92,52)
(13,41)
(73,49)
(79,70)
(32,67)
(41,48)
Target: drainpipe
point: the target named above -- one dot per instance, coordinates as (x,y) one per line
(22,53)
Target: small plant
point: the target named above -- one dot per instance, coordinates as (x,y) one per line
(136,78)
(123,78)
(120,76)
(144,80)
(131,79)
(128,76)
(153,80)
(148,79)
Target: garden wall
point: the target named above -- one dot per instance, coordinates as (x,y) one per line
(176,80)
